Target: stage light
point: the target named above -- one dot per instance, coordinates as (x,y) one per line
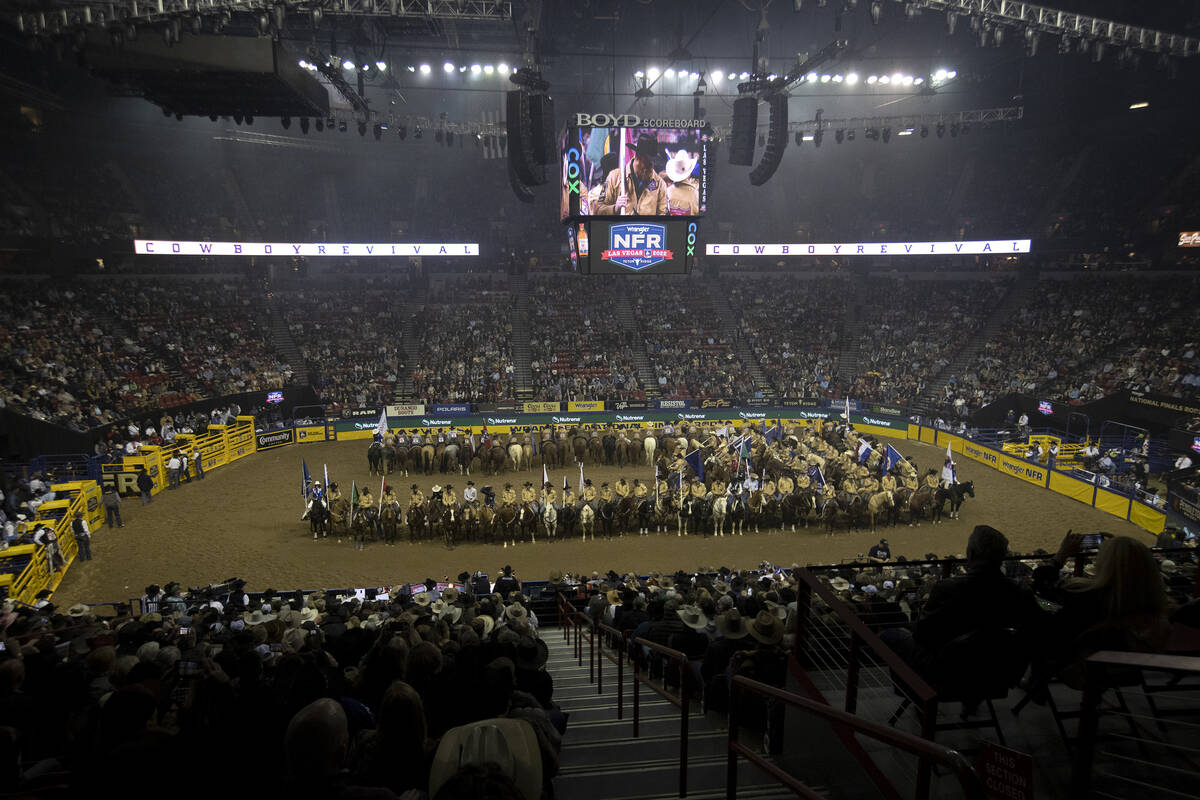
(502,68)
(800,138)
(652,73)
(908,80)
(838,79)
(951,75)
(850,135)
(826,78)
(381,66)
(304,125)
(1136,106)
(412,68)
(872,80)
(365,67)
(447,68)
(476,69)
(303,64)
(285,121)
(670,73)
(639,74)
(852,79)
(884,80)
(462,68)
(897,77)
(426,69)
(876,11)
(488,69)
(807,137)
(347,64)
(716,76)
(320,124)
(772,76)
(887,135)
(918,81)
(694,75)
(745,76)
(940,75)
(811,77)
(732,76)
(905,132)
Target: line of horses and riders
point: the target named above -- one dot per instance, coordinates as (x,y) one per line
(724,504)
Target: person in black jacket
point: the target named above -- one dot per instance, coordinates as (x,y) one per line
(145,484)
(506,583)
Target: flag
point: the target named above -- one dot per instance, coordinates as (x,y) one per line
(545,475)
(864,451)
(580,478)
(693,461)
(353,500)
(847,410)
(675,481)
(305,480)
(656,484)
(891,458)
(564,485)
(381,428)
(950,461)
(381,484)
(816,476)
(774,434)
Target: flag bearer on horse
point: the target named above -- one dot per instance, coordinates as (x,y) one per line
(589,493)
(315,495)
(389,496)
(550,497)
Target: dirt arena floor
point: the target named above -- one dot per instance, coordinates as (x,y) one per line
(243,520)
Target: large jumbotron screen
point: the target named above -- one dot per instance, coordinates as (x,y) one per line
(644,172)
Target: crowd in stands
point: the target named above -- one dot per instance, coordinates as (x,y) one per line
(690,353)
(342,697)
(464,346)
(908,331)
(793,331)
(579,347)
(351,340)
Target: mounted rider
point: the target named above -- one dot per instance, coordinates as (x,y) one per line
(640,490)
(948,473)
(448,496)
(417,498)
(785,486)
(589,493)
(389,496)
(315,494)
(550,496)
(529,496)
(888,482)
(509,497)
(470,494)
(489,496)
(606,493)
(364,499)
(622,488)
(569,498)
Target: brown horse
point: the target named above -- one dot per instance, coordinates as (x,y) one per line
(919,503)
(506,522)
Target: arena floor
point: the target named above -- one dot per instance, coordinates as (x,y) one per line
(243,520)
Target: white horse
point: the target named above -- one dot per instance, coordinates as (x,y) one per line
(719,508)
(516,454)
(649,444)
(550,520)
(587,522)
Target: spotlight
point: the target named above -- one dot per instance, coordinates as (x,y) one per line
(951,75)
(838,79)
(488,69)
(924,131)
(652,73)
(694,75)
(381,66)
(303,64)
(908,80)
(940,75)
(884,80)
(905,132)
(826,78)
(447,67)
(850,135)
(462,68)
(941,130)
(876,11)
(839,135)
(918,81)
(639,74)
(403,132)
(745,76)
(872,80)
(304,125)
(716,76)
(426,69)
(670,73)
(502,68)
(897,77)
(342,126)
(365,67)
(347,64)
(732,76)
(852,79)
(811,77)
(887,135)
(285,121)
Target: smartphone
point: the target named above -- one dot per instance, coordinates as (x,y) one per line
(3,647)
(1092,541)
(184,631)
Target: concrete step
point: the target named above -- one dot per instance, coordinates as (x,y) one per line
(626,749)
(653,777)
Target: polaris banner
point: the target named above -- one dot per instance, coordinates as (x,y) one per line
(456,408)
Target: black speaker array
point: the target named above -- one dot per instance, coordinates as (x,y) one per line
(530,126)
(777,140)
(741,139)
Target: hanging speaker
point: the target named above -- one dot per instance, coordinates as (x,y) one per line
(741,139)
(777,140)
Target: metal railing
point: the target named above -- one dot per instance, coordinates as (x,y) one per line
(618,657)
(847,724)
(682,701)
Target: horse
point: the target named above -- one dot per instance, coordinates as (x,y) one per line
(795,508)
(956,494)
(375,458)
(549,454)
(470,520)
(450,520)
(427,458)
(645,513)
(649,445)
(626,511)
(487,523)
(755,506)
(418,523)
(919,503)
(389,513)
(527,454)
(587,521)
(515,455)
(550,521)
(363,526)
(720,508)
(527,519)
(738,514)
(579,446)
(338,512)
(389,459)
(880,502)
(494,460)
(595,450)
(318,517)
(607,514)
(506,522)
(567,516)
(449,459)
(700,513)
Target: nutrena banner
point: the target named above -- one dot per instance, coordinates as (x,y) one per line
(167,247)
(974,248)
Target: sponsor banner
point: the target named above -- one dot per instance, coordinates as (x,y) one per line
(265,441)
(872,248)
(451,408)
(716,402)
(671,403)
(125,482)
(1189,238)
(585,405)
(795,402)
(540,408)
(890,410)
(1073,488)
(879,422)
(1146,517)
(873,430)
(632,418)
(351,413)
(1165,402)
(1185,508)
(1025,470)
(405,410)
(756,402)
(167,247)
(312,433)
(624,405)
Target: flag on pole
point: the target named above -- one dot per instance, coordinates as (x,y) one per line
(564,485)
(847,410)
(950,461)
(774,434)
(891,457)
(816,476)
(545,475)
(305,480)
(656,484)
(353,500)
(379,510)
(864,451)
(580,478)
(325,469)
(693,461)
(381,428)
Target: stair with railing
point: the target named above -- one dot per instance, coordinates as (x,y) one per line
(848,336)
(623,314)
(285,347)
(518,287)
(404,390)
(732,330)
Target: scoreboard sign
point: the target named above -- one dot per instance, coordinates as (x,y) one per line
(638,247)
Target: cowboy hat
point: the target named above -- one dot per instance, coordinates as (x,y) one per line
(488,624)
(777,609)
(257,617)
(647,145)
(767,628)
(693,617)
(516,613)
(732,625)
(680,164)
(79,610)
(421,599)
(532,653)
(450,594)
(556,576)
(839,584)
(308,615)
(508,745)
(614,597)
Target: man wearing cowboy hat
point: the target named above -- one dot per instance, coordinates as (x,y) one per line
(622,488)
(529,497)
(550,496)
(417,498)
(589,493)
(470,494)
(634,188)
(683,190)
(509,496)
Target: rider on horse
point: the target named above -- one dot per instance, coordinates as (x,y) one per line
(417,498)
(622,488)
(529,497)
(550,497)
(315,495)
(489,496)
(606,493)
(389,496)
(589,493)
(888,482)
(509,498)
(448,496)
(568,498)
(470,494)
(640,490)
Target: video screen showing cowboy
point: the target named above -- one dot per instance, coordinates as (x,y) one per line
(645,172)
